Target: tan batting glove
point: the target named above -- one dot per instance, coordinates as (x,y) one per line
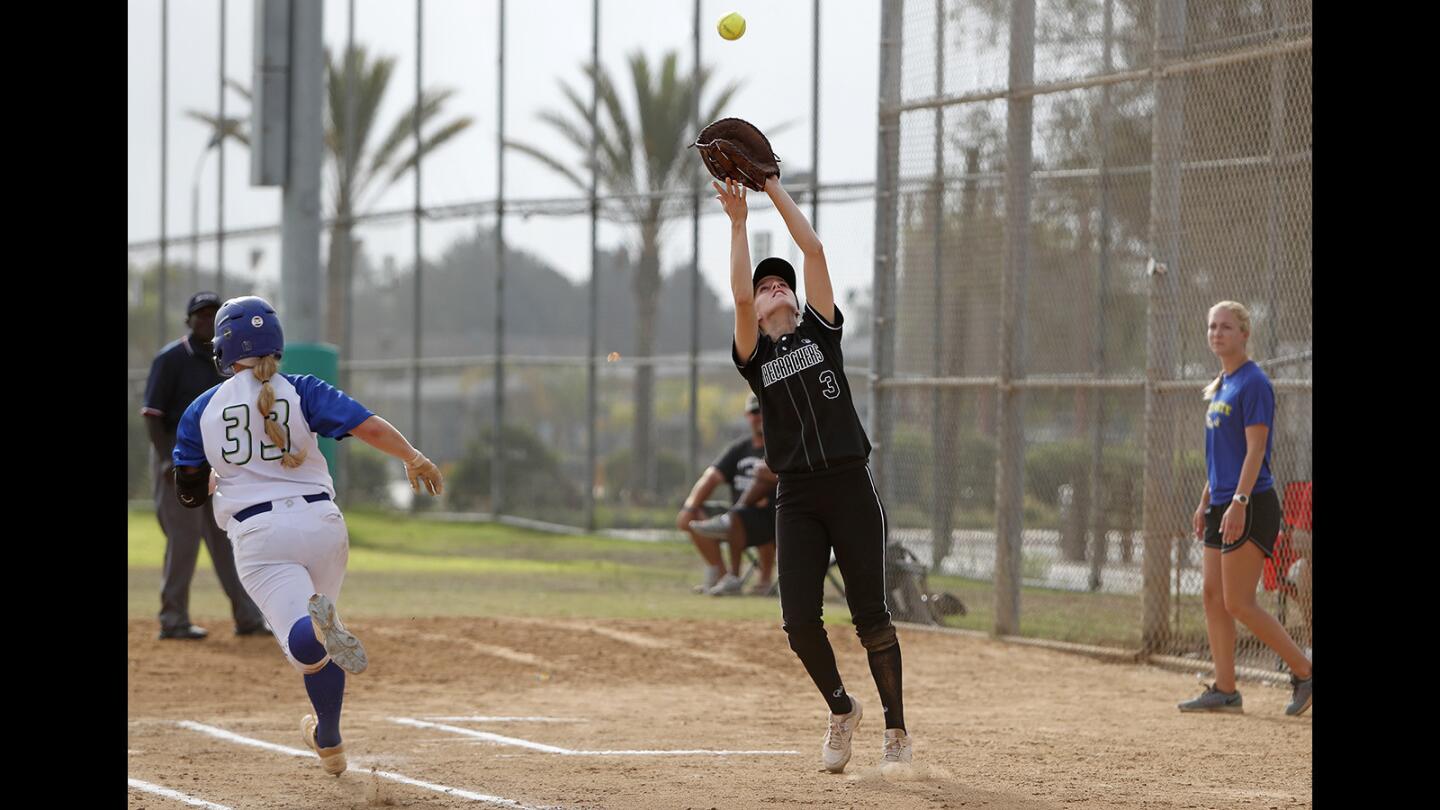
(420,469)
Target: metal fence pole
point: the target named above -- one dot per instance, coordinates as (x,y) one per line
(591,383)
(220,172)
(1275,202)
(939,504)
(343,239)
(1010,473)
(1098,527)
(419,258)
(1167,150)
(497,444)
(887,203)
(693,429)
(814,118)
(164,160)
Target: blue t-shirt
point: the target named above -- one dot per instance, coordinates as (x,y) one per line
(1245,398)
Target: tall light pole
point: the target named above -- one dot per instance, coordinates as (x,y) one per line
(195,212)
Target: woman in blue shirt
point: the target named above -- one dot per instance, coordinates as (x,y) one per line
(1239,514)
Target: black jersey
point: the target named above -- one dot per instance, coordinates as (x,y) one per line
(810,419)
(738,464)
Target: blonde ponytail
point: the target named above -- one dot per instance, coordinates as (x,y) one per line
(263,371)
(1208,392)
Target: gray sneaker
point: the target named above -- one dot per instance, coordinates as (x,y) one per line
(715,528)
(712,576)
(1300,697)
(344,648)
(729,585)
(1213,700)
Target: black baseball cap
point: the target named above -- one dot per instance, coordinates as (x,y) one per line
(201,300)
(752,404)
(774,266)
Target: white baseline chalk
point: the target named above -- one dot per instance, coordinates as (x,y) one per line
(174,794)
(477,718)
(230,736)
(555,749)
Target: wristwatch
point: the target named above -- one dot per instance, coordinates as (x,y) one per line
(1242,499)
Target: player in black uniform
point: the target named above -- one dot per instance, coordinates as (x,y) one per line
(826,498)
(746,525)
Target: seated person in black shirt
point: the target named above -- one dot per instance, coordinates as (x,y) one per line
(751,520)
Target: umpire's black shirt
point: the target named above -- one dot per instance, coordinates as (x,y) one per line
(182,371)
(810,420)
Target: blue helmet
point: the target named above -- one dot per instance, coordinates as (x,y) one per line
(246,327)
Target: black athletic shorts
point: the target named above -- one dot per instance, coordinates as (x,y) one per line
(759,523)
(1262,523)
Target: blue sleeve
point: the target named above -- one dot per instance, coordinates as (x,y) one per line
(1257,403)
(328,410)
(189,441)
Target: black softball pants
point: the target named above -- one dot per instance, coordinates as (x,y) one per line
(840,510)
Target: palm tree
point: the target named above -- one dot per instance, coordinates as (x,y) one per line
(638,153)
(369,172)
(364,172)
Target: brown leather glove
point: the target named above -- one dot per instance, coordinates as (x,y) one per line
(735,149)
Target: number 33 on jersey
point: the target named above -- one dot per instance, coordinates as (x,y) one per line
(247,461)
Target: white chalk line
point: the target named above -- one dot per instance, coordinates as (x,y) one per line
(650,643)
(555,749)
(139,784)
(495,650)
(481,718)
(230,736)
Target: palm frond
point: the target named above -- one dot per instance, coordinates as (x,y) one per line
(428,145)
(561,168)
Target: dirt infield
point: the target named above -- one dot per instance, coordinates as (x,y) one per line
(994,725)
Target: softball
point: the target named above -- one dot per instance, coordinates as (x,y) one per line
(732,26)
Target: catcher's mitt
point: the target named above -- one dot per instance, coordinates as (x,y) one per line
(735,149)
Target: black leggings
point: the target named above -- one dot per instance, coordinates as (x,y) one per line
(841,511)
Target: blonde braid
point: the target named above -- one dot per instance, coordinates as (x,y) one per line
(264,370)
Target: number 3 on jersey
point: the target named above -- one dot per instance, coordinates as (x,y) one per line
(237,433)
(831,389)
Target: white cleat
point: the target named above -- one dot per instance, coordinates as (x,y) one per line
(835,752)
(332,759)
(897,749)
(343,647)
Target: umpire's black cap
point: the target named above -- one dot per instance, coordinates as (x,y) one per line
(201,300)
(774,266)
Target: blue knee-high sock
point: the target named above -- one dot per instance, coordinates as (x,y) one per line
(326,687)
(327,692)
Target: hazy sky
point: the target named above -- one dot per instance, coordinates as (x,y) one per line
(545,42)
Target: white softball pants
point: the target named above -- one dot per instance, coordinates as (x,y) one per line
(286,555)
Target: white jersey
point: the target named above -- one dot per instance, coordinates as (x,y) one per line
(222,428)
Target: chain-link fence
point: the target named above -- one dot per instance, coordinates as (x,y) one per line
(1062,190)
(1069,187)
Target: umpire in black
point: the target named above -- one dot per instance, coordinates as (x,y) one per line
(182,371)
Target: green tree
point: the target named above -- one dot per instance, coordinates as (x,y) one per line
(640,152)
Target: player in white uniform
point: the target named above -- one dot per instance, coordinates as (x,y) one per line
(250,443)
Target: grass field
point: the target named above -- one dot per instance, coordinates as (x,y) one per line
(404,566)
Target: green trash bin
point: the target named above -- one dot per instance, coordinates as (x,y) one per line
(322,360)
